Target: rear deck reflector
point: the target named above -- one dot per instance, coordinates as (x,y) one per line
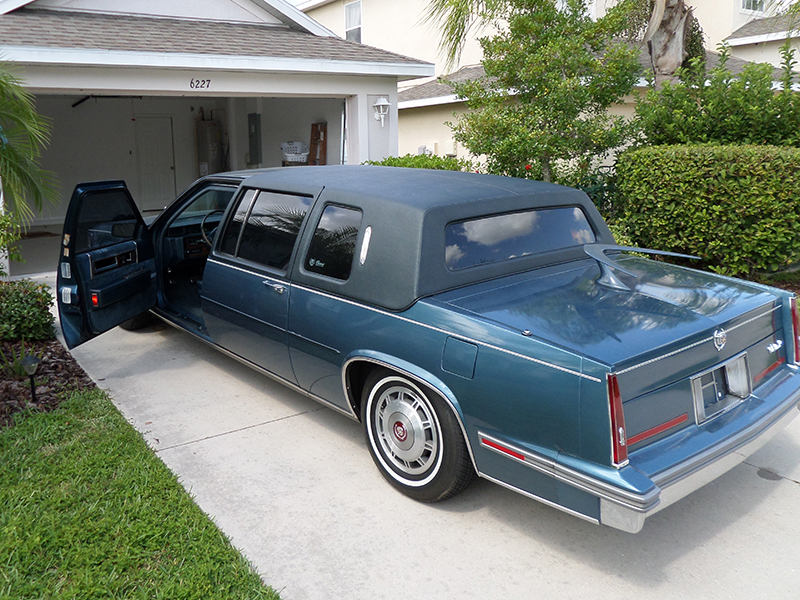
(502,449)
(619,442)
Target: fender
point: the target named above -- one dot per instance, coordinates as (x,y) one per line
(411,371)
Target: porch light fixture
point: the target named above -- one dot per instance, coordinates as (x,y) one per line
(30,364)
(381,109)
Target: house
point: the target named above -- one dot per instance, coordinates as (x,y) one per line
(158,93)
(425,106)
(760,40)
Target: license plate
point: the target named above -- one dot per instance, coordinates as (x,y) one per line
(721,388)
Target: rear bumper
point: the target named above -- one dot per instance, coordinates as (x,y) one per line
(682,479)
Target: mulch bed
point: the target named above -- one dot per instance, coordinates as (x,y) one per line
(57,375)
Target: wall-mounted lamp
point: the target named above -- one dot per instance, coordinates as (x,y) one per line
(381,109)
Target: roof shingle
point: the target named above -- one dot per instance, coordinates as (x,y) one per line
(42,28)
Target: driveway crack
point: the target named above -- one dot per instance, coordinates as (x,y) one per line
(232,431)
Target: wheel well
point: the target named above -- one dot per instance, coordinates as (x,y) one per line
(357,374)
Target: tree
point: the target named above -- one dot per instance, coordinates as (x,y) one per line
(551,74)
(23,185)
(668,27)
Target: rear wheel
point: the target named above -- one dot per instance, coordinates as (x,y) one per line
(414,438)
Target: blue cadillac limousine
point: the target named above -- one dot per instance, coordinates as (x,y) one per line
(475,325)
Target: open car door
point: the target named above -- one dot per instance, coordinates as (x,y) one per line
(106,270)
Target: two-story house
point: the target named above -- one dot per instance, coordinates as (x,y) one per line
(749,26)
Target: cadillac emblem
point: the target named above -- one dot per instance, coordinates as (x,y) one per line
(720,337)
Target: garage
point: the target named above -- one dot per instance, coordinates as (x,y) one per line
(158,94)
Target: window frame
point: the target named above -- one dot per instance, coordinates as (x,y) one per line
(234,207)
(573,207)
(354,28)
(313,234)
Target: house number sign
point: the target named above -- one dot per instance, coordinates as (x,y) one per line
(199,84)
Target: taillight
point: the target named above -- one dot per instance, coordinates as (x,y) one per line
(619,441)
(795,330)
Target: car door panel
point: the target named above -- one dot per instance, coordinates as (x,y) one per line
(246,313)
(107,271)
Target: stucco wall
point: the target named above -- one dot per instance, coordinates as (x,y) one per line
(397,27)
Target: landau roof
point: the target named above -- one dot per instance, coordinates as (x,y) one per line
(408,211)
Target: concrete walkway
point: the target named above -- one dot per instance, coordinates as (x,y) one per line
(293,486)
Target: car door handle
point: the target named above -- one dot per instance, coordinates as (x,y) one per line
(275,286)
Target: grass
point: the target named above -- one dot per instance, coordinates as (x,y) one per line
(88,511)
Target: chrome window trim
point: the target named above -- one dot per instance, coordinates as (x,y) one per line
(699,343)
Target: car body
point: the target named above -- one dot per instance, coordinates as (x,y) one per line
(474,324)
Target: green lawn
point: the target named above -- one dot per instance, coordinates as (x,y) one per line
(88,511)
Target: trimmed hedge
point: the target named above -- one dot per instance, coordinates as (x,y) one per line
(425,161)
(737,207)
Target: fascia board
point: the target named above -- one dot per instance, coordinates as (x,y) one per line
(6,6)
(292,16)
(422,102)
(453,99)
(104,58)
(763,38)
(312,4)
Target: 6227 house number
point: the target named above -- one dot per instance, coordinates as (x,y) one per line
(199,84)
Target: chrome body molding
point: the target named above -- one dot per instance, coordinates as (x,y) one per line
(699,343)
(626,510)
(419,380)
(449,333)
(349,413)
(683,479)
(574,513)
(575,478)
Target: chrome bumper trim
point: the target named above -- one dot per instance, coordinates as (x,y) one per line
(628,510)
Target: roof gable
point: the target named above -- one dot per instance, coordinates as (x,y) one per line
(262,12)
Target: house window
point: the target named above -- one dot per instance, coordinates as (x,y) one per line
(352,21)
(754,5)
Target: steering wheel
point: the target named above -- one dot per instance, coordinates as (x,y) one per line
(208,237)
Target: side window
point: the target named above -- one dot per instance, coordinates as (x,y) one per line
(271,229)
(230,239)
(105,218)
(352,21)
(334,242)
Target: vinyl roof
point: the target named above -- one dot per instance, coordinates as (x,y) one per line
(408,211)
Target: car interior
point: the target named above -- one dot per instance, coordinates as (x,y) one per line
(185,245)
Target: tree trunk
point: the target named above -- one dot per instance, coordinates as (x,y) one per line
(665,37)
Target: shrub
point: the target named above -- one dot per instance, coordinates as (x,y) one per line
(734,206)
(25,311)
(425,161)
(10,234)
(718,107)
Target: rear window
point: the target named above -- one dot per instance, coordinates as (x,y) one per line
(512,235)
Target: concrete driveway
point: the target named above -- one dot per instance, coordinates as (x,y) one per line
(293,486)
